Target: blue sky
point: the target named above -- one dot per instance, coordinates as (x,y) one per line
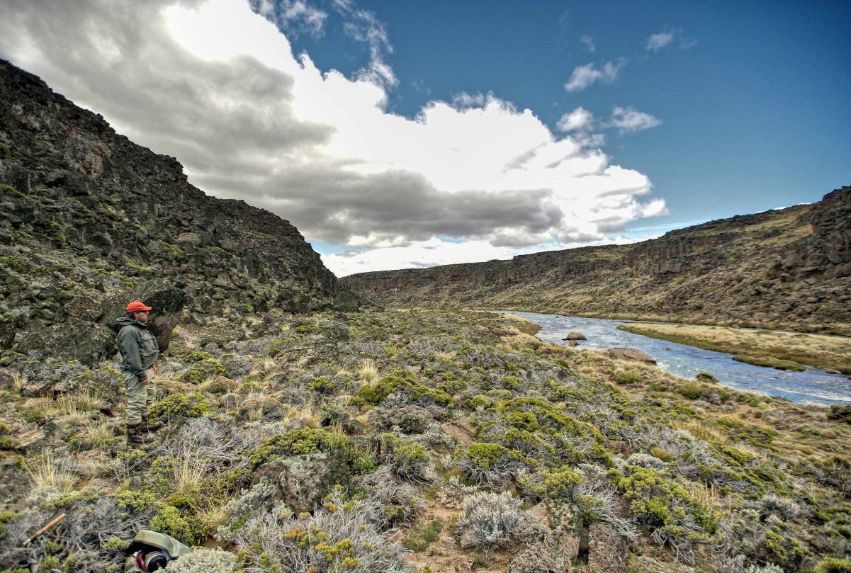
(410,134)
(754,97)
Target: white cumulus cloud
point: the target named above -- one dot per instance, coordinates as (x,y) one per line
(585,76)
(217,85)
(658,41)
(673,37)
(629,120)
(577,120)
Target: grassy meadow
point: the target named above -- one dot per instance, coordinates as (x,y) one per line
(414,440)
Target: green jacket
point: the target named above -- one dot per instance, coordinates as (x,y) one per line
(138,347)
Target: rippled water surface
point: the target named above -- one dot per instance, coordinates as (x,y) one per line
(812,385)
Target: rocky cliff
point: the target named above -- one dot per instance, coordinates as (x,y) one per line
(788,268)
(90,220)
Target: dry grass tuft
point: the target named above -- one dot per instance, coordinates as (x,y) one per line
(700,431)
(707,495)
(253,406)
(45,473)
(445,356)
(367,371)
(213,516)
(87,400)
(305,416)
(98,435)
(189,472)
(66,407)
(75,408)
(18,382)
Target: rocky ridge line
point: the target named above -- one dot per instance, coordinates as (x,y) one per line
(787,268)
(89,219)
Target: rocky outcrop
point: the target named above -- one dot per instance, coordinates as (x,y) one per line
(786,268)
(827,252)
(90,220)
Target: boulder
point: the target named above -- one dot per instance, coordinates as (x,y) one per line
(84,308)
(73,339)
(631,354)
(575,336)
(296,303)
(346,301)
(303,480)
(189,239)
(607,550)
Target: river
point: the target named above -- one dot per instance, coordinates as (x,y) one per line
(811,385)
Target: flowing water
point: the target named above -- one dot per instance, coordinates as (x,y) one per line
(811,385)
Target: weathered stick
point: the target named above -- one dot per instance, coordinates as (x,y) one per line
(46,527)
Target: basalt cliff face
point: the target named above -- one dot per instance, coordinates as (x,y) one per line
(788,268)
(90,220)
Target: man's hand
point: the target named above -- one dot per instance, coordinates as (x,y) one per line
(144,380)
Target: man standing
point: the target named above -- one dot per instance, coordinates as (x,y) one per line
(139,351)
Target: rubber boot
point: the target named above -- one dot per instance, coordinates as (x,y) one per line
(135,435)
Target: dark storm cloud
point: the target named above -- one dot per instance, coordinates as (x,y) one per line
(336,205)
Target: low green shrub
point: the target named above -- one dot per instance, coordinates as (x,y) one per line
(409,459)
(666,507)
(400,381)
(179,406)
(135,500)
(452,386)
(185,528)
(310,441)
(325,385)
(690,390)
(560,483)
(490,463)
(522,420)
(833,565)
(538,413)
(203,367)
(627,377)
(421,536)
(5,516)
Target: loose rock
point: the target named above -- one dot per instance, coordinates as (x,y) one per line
(631,354)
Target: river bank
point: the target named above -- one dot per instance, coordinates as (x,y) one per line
(686,360)
(775,349)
